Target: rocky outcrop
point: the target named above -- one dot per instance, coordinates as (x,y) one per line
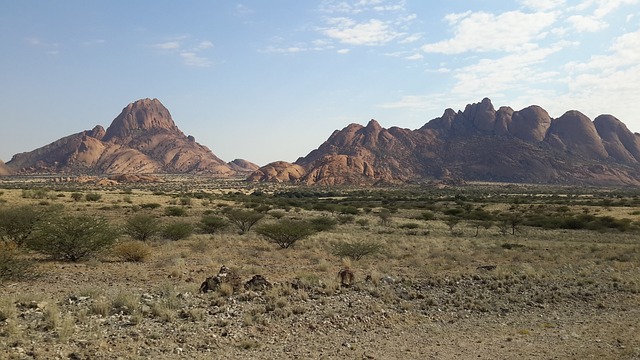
(142,139)
(4,170)
(242,165)
(279,171)
(479,143)
(620,143)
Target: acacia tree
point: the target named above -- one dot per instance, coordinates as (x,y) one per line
(286,232)
(243,219)
(142,227)
(17,224)
(73,238)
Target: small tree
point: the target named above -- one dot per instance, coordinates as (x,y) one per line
(211,224)
(73,238)
(243,219)
(355,250)
(385,217)
(323,223)
(177,231)
(142,227)
(17,224)
(286,232)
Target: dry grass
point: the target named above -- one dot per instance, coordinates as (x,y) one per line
(426,274)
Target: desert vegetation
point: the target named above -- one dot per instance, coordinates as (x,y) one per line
(552,270)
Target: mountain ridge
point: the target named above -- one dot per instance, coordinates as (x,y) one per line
(479,143)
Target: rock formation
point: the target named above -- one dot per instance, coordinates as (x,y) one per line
(241,165)
(142,139)
(4,170)
(477,144)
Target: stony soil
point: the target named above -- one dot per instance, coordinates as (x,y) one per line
(114,310)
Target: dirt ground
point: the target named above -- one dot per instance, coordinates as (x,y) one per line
(385,318)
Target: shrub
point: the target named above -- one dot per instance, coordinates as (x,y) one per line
(244,220)
(323,223)
(13,266)
(285,232)
(133,251)
(93,197)
(142,227)
(278,214)
(211,224)
(177,231)
(76,196)
(72,238)
(17,224)
(150,206)
(355,250)
(409,226)
(385,217)
(175,211)
(345,219)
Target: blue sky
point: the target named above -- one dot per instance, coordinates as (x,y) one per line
(271,80)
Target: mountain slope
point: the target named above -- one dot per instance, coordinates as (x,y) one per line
(479,143)
(142,139)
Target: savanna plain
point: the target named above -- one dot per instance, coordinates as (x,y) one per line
(482,271)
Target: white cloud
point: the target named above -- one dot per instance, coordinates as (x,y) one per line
(543,5)
(586,23)
(206,44)
(517,71)
(481,31)
(337,6)
(343,51)
(415,57)
(193,59)
(188,50)
(169,45)
(372,32)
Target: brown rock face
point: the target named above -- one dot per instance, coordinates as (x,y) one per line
(479,144)
(4,170)
(242,165)
(140,117)
(279,171)
(530,124)
(142,139)
(620,143)
(575,133)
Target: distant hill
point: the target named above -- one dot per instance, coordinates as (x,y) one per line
(142,139)
(477,144)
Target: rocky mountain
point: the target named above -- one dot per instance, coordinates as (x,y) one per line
(477,144)
(142,139)
(4,170)
(241,165)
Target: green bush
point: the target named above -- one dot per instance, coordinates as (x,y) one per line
(244,220)
(211,224)
(76,196)
(285,232)
(142,227)
(150,206)
(323,223)
(355,250)
(17,224)
(175,211)
(177,231)
(93,197)
(72,238)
